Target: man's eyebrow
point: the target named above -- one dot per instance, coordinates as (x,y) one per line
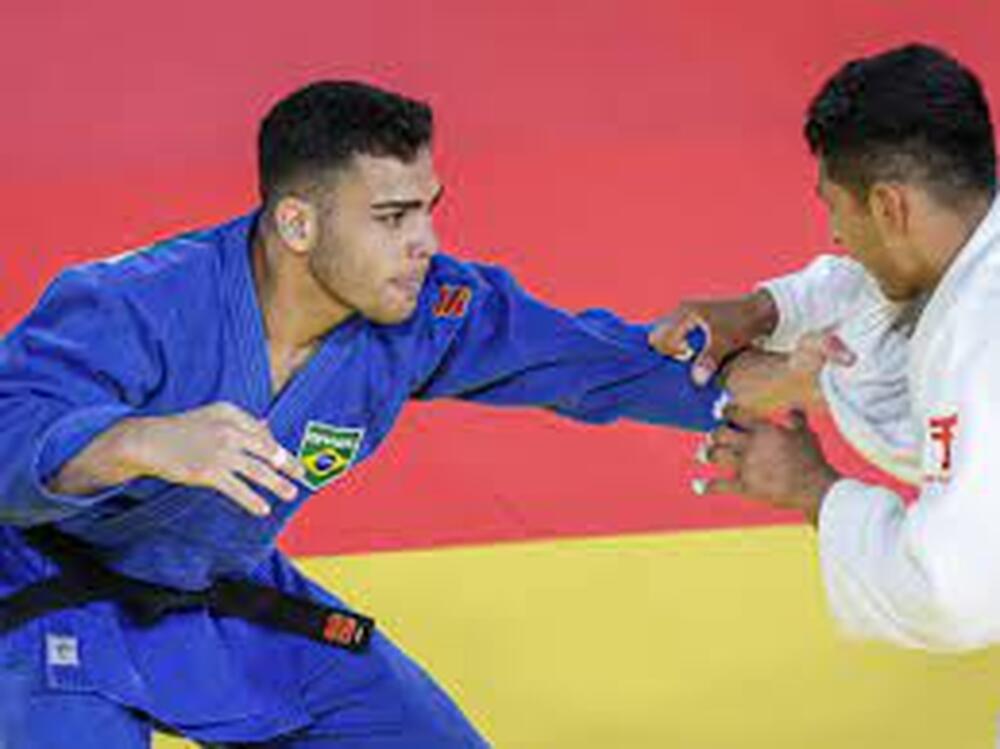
(406,205)
(397,204)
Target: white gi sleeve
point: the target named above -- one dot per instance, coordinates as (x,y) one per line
(869,401)
(814,298)
(927,577)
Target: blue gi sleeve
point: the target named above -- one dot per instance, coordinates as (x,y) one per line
(81,361)
(512,349)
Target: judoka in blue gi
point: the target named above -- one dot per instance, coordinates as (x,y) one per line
(168,411)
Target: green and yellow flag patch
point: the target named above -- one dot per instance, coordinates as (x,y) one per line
(327,451)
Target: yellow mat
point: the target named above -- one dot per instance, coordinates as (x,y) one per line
(715,640)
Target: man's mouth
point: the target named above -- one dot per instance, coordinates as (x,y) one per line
(410,284)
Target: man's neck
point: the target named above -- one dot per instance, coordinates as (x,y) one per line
(297,311)
(949,233)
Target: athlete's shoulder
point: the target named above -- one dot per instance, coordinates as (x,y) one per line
(185,272)
(176,281)
(189,258)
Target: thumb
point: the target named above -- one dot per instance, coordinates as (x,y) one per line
(669,337)
(713,352)
(703,368)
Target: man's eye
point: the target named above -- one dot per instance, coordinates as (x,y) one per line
(392,220)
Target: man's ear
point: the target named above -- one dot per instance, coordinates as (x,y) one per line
(296,222)
(889,206)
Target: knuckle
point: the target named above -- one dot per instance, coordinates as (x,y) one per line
(268,451)
(252,470)
(231,437)
(254,427)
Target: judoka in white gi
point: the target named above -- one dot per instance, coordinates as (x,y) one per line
(906,159)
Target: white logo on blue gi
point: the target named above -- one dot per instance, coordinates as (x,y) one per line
(62,650)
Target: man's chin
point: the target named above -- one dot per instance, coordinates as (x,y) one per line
(396,315)
(899,294)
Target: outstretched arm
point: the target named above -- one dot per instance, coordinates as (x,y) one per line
(512,349)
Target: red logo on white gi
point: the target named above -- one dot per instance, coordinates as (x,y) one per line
(942,431)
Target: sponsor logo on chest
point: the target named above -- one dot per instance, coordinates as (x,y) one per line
(327,451)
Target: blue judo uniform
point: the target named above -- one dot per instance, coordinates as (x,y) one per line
(177,326)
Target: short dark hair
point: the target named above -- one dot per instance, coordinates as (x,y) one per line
(323,125)
(912,114)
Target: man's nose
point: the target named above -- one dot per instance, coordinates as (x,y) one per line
(424,242)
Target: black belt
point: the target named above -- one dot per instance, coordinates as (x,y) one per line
(82,579)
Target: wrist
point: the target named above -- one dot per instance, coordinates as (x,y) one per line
(763,313)
(111,459)
(127,450)
(750,374)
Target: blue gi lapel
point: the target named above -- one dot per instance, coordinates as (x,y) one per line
(287,411)
(245,324)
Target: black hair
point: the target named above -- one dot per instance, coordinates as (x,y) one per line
(323,125)
(909,114)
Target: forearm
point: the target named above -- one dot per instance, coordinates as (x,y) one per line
(763,382)
(662,394)
(762,312)
(112,458)
(592,366)
(37,438)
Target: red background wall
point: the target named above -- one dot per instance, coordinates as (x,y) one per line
(619,154)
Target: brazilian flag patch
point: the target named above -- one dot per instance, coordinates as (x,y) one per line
(327,451)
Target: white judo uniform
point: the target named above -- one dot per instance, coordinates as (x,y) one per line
(923,403)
